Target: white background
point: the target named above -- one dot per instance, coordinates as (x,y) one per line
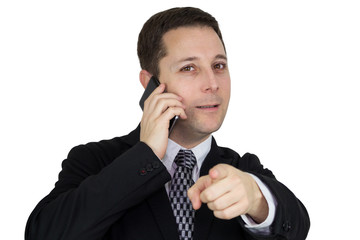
(69,75)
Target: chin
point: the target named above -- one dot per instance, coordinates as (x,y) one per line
(200,126)
(207,128)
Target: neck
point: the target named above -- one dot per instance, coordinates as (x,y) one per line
(187,140)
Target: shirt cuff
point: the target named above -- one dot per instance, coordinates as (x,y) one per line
(264,227)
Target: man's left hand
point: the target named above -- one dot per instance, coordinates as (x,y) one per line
(229,193)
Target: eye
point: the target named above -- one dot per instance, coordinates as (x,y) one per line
(187,69)
(219,66)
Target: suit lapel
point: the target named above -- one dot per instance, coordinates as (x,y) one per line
(204,216)
(162,211)
(214,157)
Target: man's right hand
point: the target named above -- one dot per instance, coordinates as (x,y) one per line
(159,109)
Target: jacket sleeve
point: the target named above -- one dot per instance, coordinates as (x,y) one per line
(91,194)
(292,221)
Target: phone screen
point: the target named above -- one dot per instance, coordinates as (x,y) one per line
(152,85)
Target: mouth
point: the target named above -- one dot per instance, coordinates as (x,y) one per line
(208,106)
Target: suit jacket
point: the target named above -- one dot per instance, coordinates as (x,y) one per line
(114,189)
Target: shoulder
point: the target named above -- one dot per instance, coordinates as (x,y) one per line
(109,148)
(229,153)
(103,148)
(248,162)
(93,156)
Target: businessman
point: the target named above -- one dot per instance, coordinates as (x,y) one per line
(156,184)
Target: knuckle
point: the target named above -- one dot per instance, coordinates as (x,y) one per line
(211,206)
(146,103)
(208,194)
(246,202)
(171,111)
(226,214)
(190,192)
(234,178)
(152,98)
(175,110)
(161,101)
(218,205)
(205,196)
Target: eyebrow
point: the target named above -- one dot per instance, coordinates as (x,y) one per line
(221,56)
(189,59)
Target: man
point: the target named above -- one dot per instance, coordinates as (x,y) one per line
(135,186)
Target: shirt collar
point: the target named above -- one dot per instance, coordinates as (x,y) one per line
(200,151)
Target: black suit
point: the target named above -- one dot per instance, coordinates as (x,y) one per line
(114,189)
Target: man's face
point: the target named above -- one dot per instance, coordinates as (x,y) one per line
(195,68)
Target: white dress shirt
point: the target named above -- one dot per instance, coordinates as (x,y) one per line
(200,152)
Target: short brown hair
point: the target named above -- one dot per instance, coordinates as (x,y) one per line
(151,48)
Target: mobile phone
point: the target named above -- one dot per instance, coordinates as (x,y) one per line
(152,85)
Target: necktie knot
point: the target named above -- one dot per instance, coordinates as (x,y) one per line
(185,158)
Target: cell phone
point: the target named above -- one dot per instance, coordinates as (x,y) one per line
(152,85)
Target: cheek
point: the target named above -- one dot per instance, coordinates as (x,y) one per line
(226,87)
(181,90)
(187,100)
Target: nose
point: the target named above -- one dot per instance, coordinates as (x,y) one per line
(210,82)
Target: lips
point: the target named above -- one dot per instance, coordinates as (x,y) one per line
(208,106)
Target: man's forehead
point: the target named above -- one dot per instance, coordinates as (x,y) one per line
(193,43)
(181,34)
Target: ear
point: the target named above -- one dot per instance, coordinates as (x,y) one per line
(144,77)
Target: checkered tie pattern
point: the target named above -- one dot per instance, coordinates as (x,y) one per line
(180,203)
